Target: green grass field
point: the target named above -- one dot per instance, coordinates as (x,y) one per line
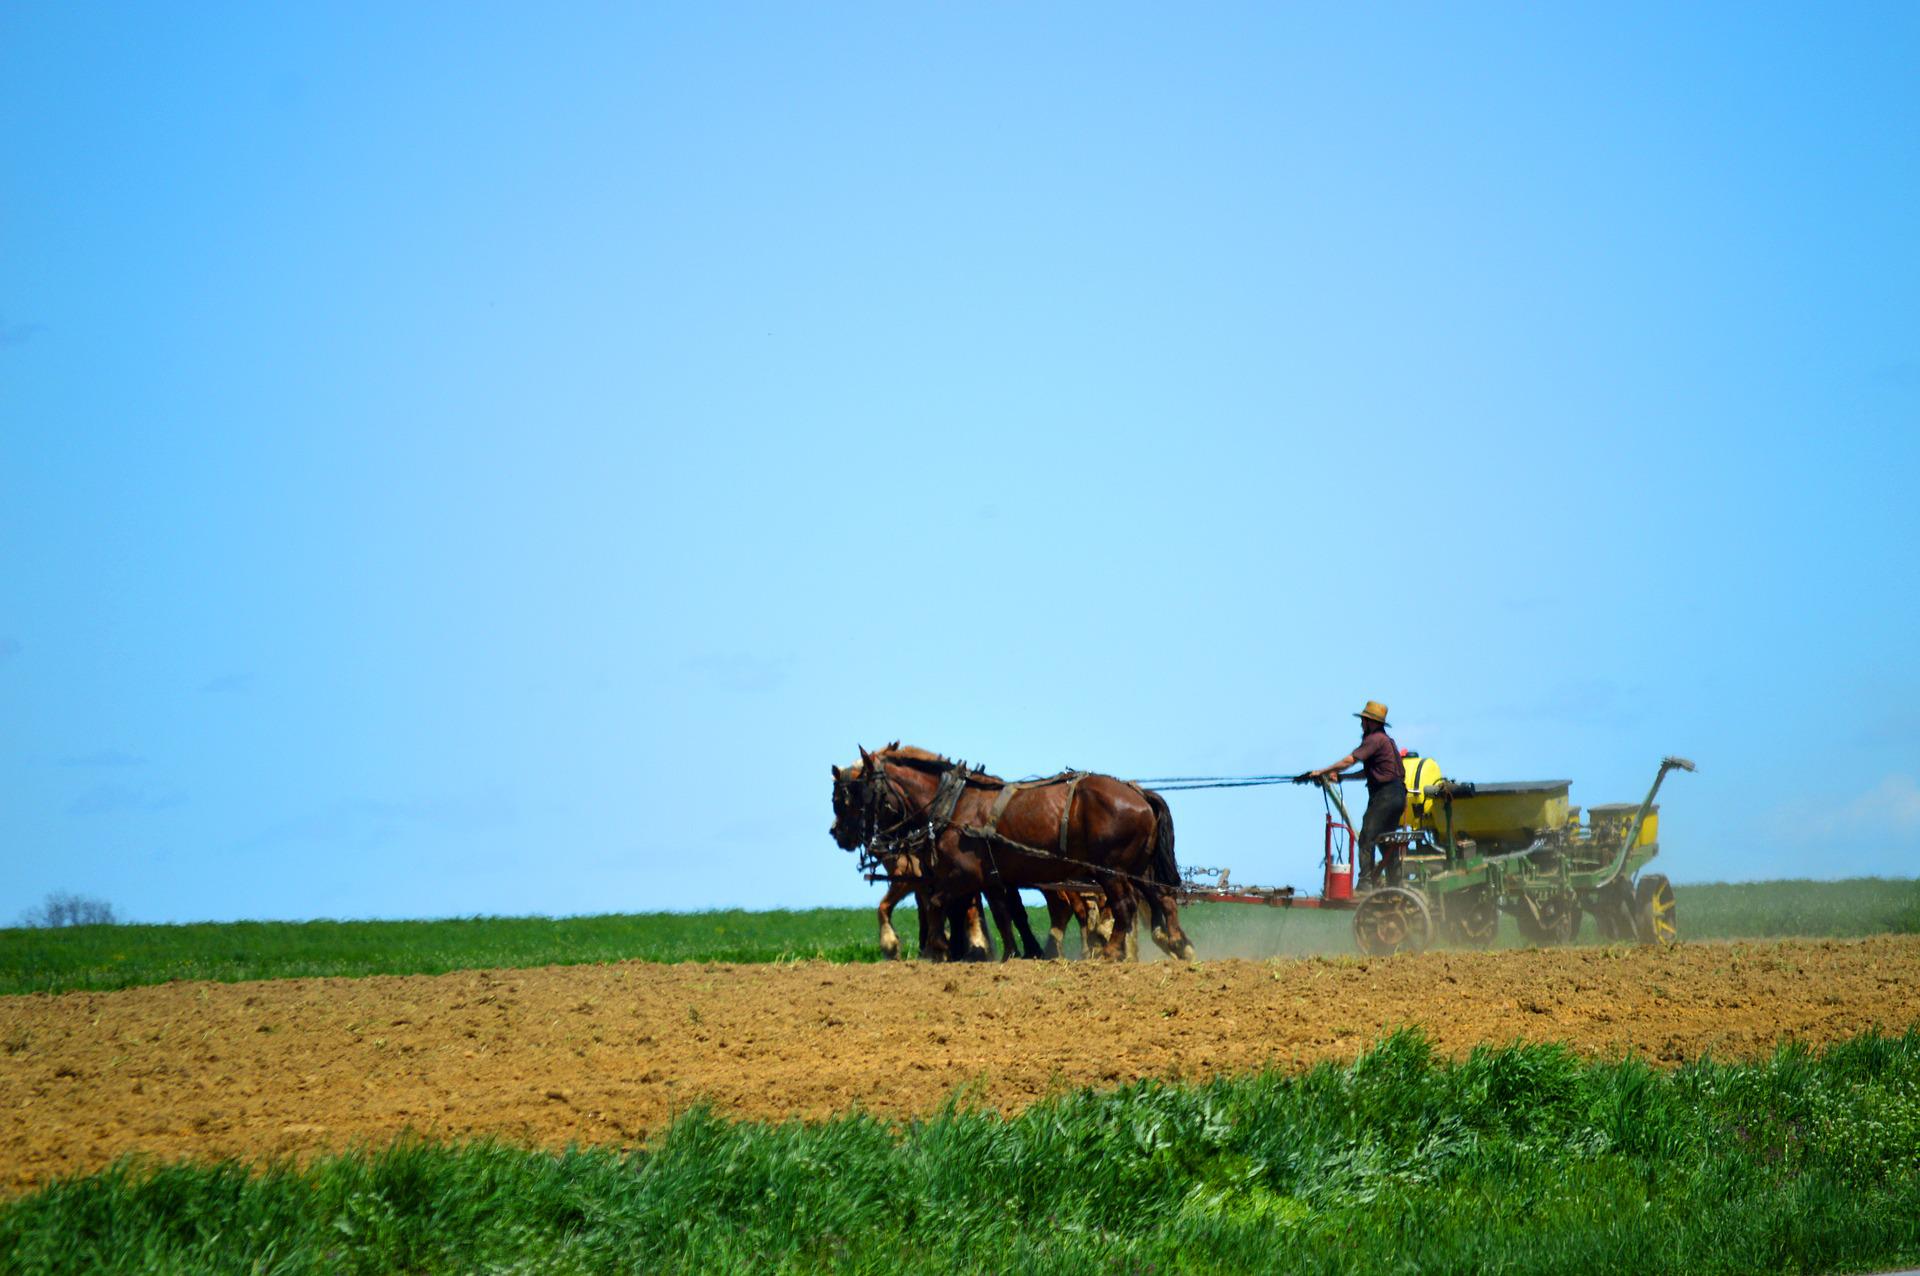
(106,957)
(1718,910)
(1523,1159)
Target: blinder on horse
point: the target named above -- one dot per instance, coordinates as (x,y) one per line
(881,798)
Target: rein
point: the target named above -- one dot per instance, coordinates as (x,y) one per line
(877,842)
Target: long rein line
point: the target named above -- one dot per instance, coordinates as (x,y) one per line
(1177,784)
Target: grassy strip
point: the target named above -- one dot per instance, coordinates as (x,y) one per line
(106,957)
(1523,1159)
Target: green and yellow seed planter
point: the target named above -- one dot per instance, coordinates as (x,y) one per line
(1468,852)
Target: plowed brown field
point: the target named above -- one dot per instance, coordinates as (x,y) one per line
(607,1054)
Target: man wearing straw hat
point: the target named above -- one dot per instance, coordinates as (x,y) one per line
(1379,757)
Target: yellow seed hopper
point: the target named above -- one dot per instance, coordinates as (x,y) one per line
(1494,815)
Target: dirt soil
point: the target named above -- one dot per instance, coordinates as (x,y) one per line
(608,1054)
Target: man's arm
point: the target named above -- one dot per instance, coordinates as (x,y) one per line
(1333,772)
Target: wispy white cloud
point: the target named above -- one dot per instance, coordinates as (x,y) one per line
(1890,811)
(1893,805)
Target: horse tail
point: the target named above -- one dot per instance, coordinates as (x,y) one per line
(1166,870)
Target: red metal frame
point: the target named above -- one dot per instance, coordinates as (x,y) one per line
(1336,887)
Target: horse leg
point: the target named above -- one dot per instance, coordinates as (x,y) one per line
(1120,905)
(1166,925)
(889,941)
(934,910)
(1002,921)
(979,943)
(971,939)
(1058,911)
(1010,918)
(1029,946)
(1096,923)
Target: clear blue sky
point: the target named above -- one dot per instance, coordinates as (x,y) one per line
(493,459)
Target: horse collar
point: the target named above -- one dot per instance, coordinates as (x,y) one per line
(953,782)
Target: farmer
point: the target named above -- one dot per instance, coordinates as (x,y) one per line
(1386,790)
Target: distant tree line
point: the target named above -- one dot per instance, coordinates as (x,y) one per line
(63,908)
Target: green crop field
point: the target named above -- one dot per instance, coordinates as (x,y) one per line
(1718,910)
(106,957)
(1524,1159)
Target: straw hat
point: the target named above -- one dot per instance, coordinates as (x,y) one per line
(1374,712)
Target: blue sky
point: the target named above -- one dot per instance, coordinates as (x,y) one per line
(465,459)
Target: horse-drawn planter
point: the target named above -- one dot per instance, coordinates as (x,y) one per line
(1465,853)
(1096,846)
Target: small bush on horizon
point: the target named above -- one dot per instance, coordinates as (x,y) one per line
(63,908)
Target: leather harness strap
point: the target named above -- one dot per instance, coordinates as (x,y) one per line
(1000,806)
(990,833)
(1066,807)
(991,829)
(947,796)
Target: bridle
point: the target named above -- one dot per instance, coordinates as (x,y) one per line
(881,795)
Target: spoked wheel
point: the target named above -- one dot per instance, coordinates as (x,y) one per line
(1392,919)
(1656,919)
(1471,917)
(1549,919)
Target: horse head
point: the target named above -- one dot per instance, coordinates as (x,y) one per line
(851,827)
(868,801)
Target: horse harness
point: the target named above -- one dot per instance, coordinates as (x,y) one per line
(946,797)
(990,831)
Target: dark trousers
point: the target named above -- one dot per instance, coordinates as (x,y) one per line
(1385,805)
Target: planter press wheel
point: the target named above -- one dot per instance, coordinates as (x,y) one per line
(1613,912)
(1656,919)
(1471,917)
(1392,919)
(1549,919)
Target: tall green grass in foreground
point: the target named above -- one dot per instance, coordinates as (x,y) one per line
(1522,1159)
(104,957)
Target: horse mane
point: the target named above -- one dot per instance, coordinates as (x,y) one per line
(910,753)
(927,760)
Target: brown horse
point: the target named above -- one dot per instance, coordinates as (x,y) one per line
(902,872)
(975,833)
